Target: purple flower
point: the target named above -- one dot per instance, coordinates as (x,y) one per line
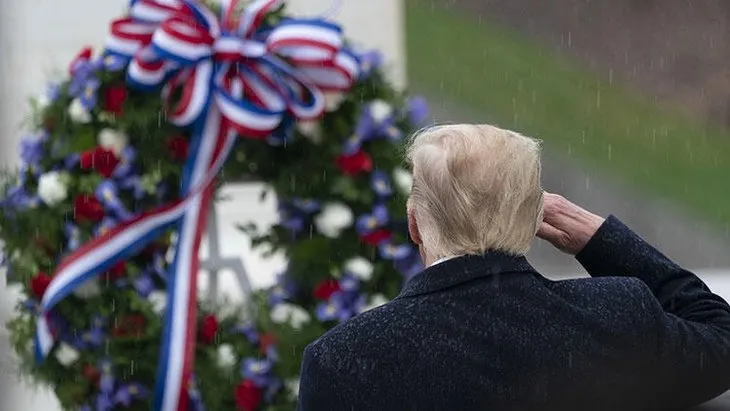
(274,386)
(341,306)
(271,353)
(111,62)
(248,330)
(368,223)
(417,110)
(32,151)
(73,236)
(329,310)
(71,161)
(95,336)
(369,62)
(84,83)
(128,393)
(258,371)
(369,128)
(284,289)
(32,306)
(107,192)
(293,214)
(105,225)
(392,252)
(409,265)
(196,400)
(18,199)
(380,183)
(126,162)
(349,283)
(144,284)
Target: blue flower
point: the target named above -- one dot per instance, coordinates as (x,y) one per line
(283,290)
(369,127)
(248,330)
(73,236)
(111,62)
(417,110)
(107,192)
(18,199)
(410,265)
(128,393)
(144,283)
(196,400)
(390,251)
(294,214)
(32,152)
(106,224)
(369,223)
(257,371)
(369,62)
(380,183)
(94,337)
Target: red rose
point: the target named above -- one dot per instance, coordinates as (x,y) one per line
(355,164)
(39,283)
(114,98)
(130,326)
(99,159)
(87,208)
(117,271)
(91,374)
(325,289)
(376,237)
(178,147)
(248,396)
(208,329)
(266,341)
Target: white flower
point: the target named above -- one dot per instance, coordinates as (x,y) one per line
(52,187)
(380,110)
(375,301)
(42,102)
(158,300)
(360,267)
(78,113)
(295,315)
(334,218)
(311,130)
(170,255)
(88,289)
(333,101)
(113,140)
(66,355)
(292,386)
(226,356)
(403,180)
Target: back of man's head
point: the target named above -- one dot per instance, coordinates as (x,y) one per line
(475,188)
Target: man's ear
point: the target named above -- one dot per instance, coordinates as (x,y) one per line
(413,227)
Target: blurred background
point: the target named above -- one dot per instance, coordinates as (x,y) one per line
(631,98)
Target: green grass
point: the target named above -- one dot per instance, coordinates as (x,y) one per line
(519,85)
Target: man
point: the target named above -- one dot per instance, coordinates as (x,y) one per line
(480,329)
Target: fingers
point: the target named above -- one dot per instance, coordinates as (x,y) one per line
(549,233)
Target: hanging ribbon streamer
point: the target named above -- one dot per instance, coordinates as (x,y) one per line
(235,77)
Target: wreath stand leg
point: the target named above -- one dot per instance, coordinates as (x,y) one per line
(215,262)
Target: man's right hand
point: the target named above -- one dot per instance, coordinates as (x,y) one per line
(567,226)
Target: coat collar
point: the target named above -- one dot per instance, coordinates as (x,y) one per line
(463,269)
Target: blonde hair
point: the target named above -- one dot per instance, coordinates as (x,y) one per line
(475,188)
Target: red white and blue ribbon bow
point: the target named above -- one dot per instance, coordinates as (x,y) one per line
(234,77)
